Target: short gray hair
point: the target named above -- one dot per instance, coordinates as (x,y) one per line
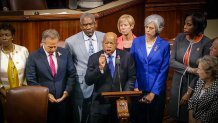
(86,15)
(157,19)
(50,33)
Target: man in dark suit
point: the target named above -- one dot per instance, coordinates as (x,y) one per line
(53,67)
(103,73)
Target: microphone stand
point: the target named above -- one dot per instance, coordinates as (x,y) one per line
(118,71)
(122,103)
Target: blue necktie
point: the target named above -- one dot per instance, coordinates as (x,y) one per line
(91,47)
(111,65)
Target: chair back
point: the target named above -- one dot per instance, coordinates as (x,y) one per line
(27,4)
(27,104)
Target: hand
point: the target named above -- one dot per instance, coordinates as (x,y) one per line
(185,99)
(52,98)
(147,98)
(64,96)
(102,61)
(136,89)
(3,92)
(192,70)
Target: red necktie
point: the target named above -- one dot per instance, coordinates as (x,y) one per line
(52,65)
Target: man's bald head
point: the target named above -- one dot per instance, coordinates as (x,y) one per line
(109,43)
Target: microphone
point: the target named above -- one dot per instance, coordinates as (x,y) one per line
(117,61)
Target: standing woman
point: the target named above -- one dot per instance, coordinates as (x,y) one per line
(188,47)
(203,105)
(151,54)
(125,26)
(13,60)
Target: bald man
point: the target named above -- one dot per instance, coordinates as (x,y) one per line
(214,47)
(103,73)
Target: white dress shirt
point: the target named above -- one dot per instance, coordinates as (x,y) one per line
(94,42)
(54,59)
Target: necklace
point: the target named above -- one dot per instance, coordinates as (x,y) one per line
(9,51)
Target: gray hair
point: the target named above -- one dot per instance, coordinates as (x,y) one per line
(210,65)
(157,19)
(50,33)
(86,15)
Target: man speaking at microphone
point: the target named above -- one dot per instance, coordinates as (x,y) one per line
(109,70)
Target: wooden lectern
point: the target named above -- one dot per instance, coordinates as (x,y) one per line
(122,103)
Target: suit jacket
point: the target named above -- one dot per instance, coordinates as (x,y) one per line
(19,58)
(76,46)
(151,70)
(38,71)
(105,83)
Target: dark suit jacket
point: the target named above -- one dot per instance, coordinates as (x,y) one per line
(38,71)
(105,83)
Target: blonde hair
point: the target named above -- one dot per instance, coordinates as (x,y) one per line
(126,17)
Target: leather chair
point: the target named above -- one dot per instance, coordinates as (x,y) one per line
(27,4)
(27,104)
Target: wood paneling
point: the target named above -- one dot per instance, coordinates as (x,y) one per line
(30,27)
(108,22)
(173,11)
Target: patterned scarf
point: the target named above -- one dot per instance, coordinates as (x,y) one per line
(12,73)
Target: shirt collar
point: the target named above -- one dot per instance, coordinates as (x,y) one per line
(47,54)
(86,38)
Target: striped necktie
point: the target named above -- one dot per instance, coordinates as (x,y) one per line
(91,47)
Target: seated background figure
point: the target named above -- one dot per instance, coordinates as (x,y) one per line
(204,101)
(90,3)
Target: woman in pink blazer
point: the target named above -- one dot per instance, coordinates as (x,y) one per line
(125,26)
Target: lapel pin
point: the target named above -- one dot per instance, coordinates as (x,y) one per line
(198,49)
(59,54)
(156,47)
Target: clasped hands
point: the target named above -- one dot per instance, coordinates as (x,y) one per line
(53,100)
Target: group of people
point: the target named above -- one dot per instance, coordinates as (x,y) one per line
(93,62)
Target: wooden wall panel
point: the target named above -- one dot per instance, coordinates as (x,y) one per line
(29,33)
(173,11)
(29,28)
(109,22)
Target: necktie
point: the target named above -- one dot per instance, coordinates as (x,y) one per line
(111,65)
(91,47)
(52,65)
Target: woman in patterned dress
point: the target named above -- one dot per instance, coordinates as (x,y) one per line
(203,105)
